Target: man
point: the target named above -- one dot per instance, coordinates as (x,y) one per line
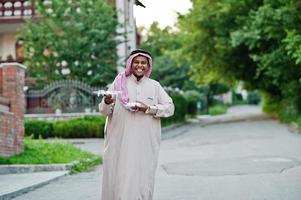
(133,130)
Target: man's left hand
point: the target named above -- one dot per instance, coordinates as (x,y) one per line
(141,107)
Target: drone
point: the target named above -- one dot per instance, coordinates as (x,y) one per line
(105,92)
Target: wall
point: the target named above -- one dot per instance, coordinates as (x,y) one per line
(12,108)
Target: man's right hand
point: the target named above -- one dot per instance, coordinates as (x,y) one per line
(108,99)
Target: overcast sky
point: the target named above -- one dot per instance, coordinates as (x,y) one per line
(163,11)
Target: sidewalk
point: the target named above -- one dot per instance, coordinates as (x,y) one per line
(12,185)
(18,182)
(234,114)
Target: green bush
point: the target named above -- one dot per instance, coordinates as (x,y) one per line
(85,127)
(283,110)
(80,128)
(218,109)
(180,104)
(192,97)
(38,128)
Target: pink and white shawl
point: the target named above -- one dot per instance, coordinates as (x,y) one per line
(120,80)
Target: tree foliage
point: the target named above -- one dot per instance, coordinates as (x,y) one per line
(78,36)
(159,40)
(169,68)
(256,41)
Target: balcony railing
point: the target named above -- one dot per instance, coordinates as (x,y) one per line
(15,11)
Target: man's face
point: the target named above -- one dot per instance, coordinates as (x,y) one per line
(140,66)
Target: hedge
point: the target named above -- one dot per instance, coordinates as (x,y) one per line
(80,128)
(39,128)
(85,127)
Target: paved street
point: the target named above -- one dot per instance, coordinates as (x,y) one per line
(250,160)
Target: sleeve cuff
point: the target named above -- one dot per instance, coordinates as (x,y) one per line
(106,109)
(153,110)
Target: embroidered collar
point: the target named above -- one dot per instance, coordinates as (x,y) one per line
(133,77)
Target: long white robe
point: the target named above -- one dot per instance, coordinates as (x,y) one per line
(132,142)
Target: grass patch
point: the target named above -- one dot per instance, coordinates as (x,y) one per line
(54,152)
(218,109)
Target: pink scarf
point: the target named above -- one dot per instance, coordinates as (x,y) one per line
(120,80)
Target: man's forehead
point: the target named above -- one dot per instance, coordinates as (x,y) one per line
(140,57)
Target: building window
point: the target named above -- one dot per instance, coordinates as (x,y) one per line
(19,51)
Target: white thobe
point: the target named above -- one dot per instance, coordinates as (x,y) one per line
(132,141)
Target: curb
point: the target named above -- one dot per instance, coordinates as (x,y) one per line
(169,132)
(174,126)
(16,169)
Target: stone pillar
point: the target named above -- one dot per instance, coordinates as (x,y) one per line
(12,119)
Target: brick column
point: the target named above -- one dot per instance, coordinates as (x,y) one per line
(11,123)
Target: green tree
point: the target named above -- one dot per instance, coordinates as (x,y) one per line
(257,42)
(207,28)
(170,67)
(76,36)
(169,73)
(158,40)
